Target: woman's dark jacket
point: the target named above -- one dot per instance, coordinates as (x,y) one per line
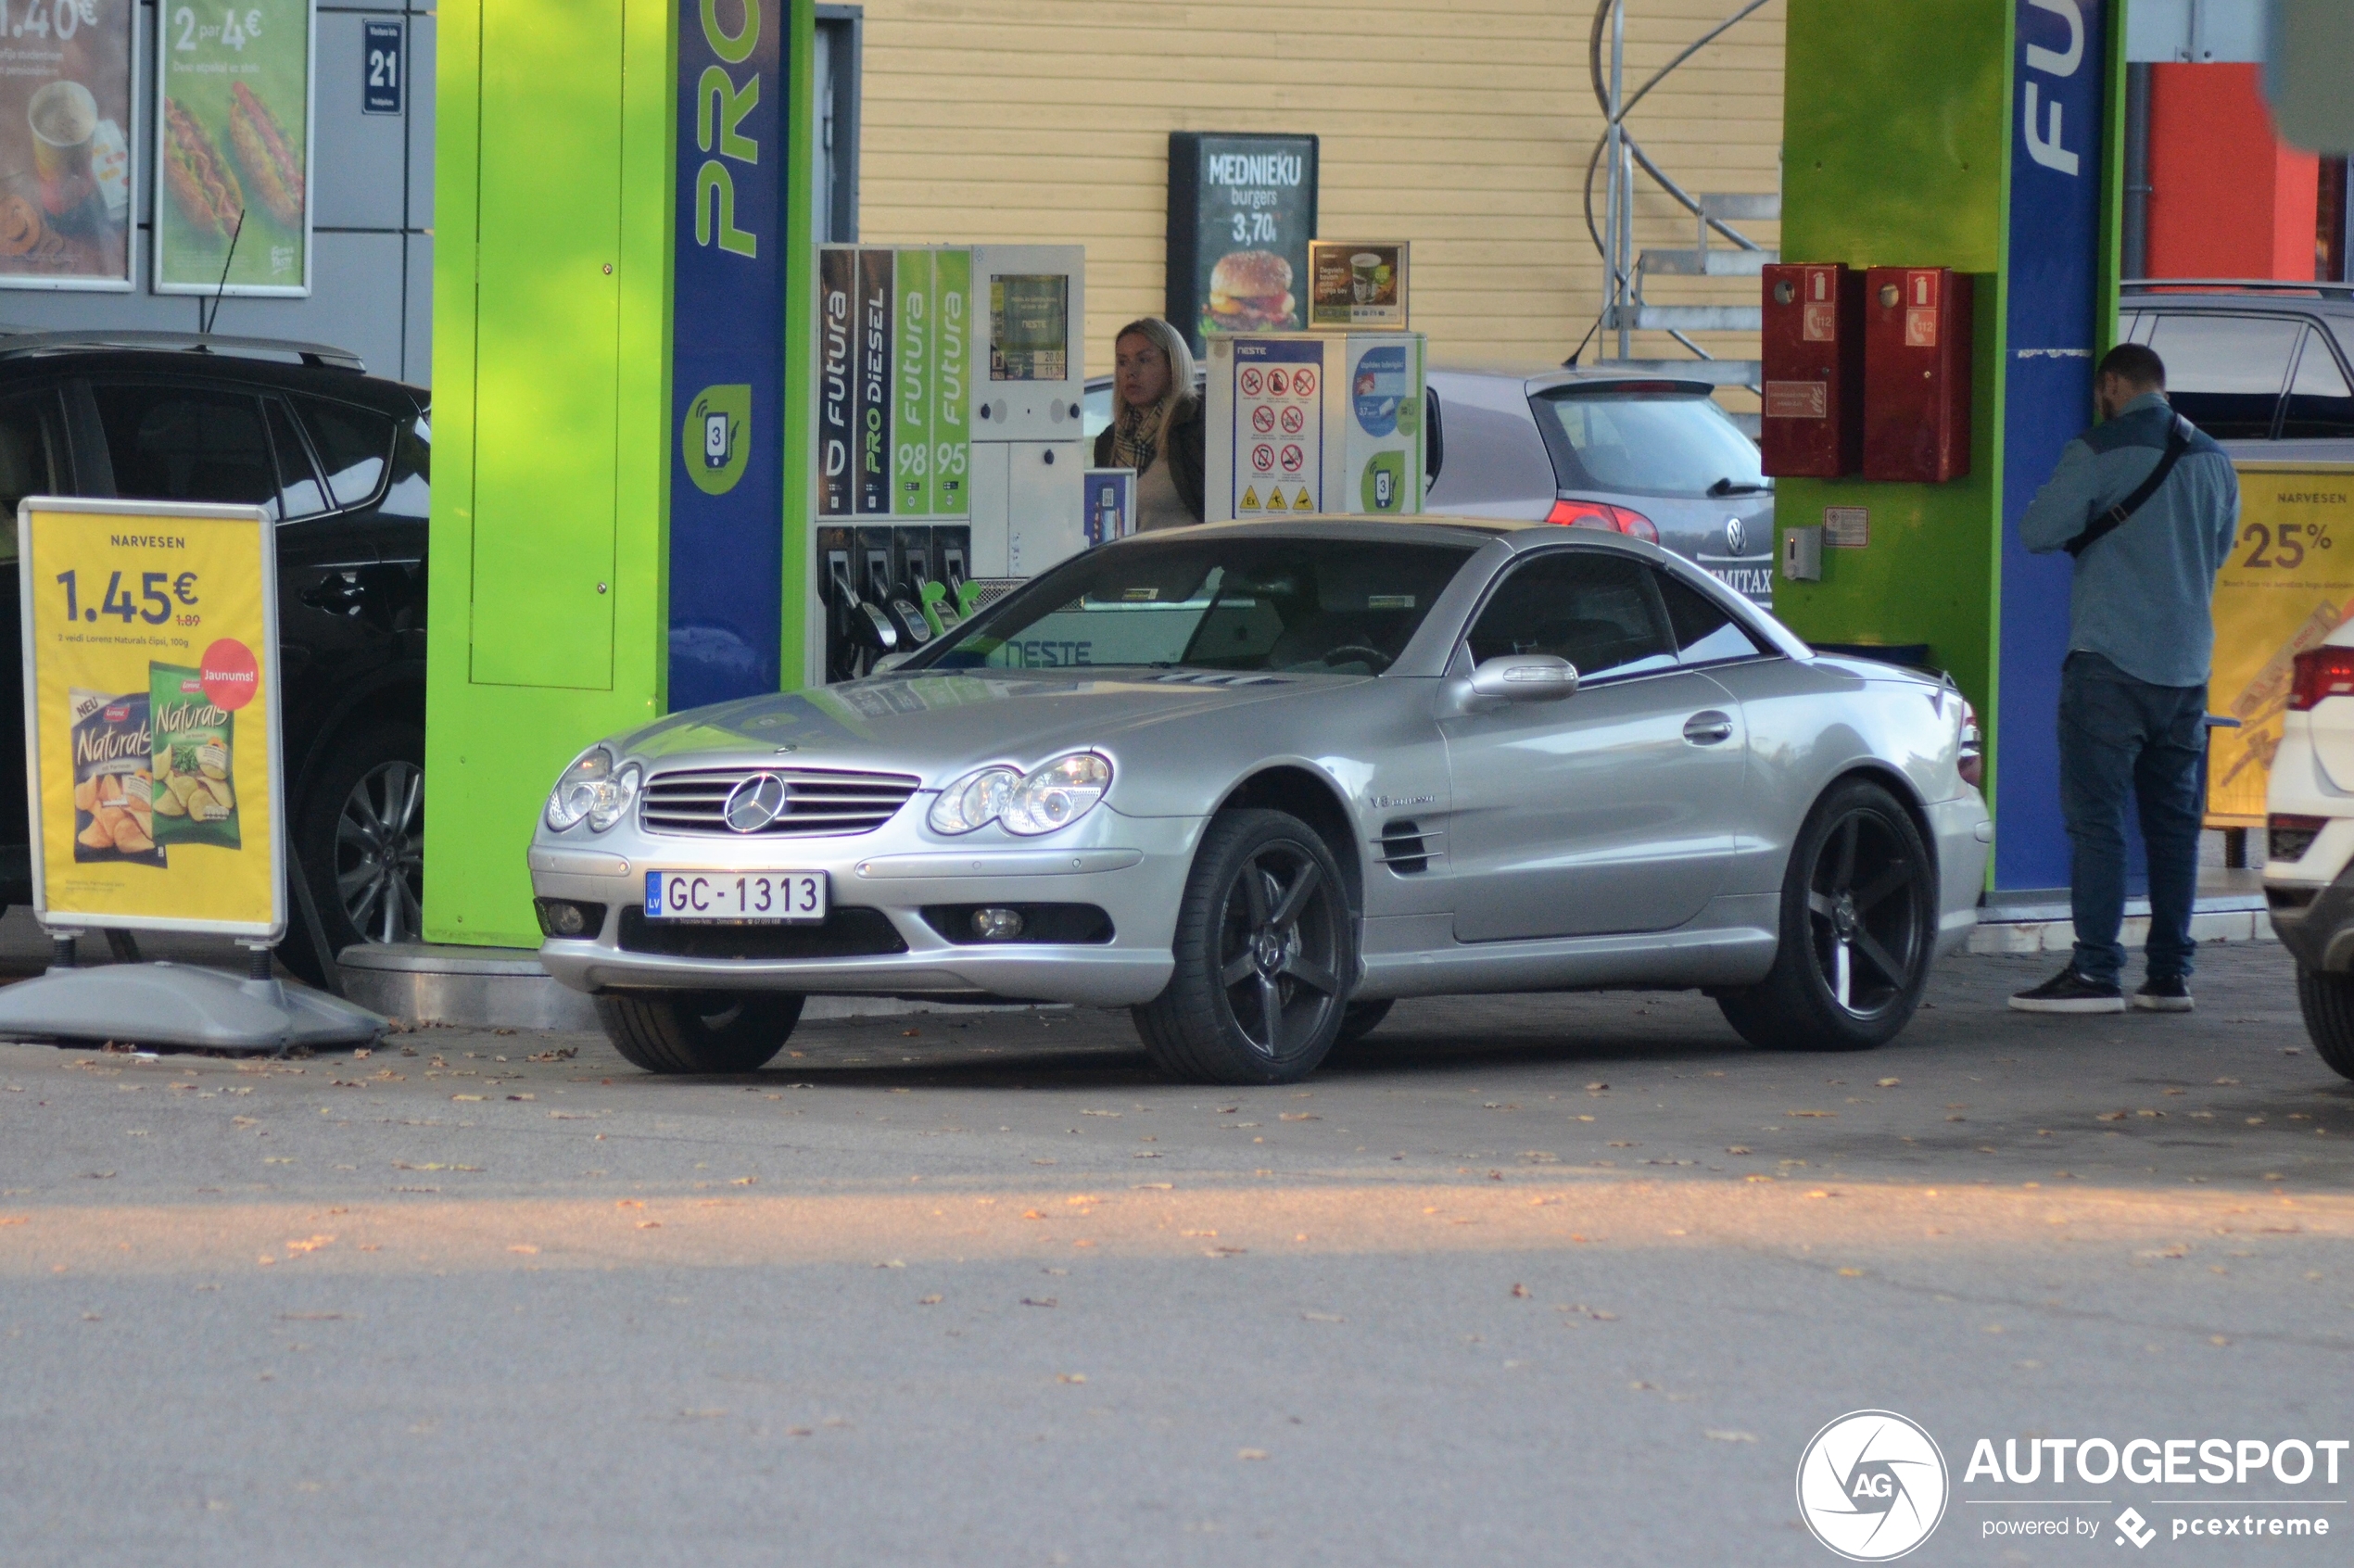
(1185,447)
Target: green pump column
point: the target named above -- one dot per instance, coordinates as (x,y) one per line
(1980,136)
(588,153)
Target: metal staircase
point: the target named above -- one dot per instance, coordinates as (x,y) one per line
(1624,311)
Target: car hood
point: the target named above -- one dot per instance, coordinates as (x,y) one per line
(939,725)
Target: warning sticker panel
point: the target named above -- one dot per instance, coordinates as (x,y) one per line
(1797,399)
(1278,386)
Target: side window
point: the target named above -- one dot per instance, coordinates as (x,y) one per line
(173,443)
(1601,613)
(27,466)
(2320,406)
(296,481)
(1705,631)
(352,444)
(2226,372)
(410,494)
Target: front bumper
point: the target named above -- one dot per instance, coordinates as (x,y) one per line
(1132,868)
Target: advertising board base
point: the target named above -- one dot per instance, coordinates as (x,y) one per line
(166,1003)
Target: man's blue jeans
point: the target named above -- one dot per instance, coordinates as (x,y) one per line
(2119,734)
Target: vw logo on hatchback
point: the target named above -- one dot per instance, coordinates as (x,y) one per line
(755,803)
(1736,537)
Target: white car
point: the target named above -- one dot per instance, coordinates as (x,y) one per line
(2310,822)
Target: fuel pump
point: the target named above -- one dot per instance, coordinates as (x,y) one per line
(949,439)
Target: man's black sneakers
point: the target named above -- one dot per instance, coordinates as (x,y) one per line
(2068,992)
(2164,993)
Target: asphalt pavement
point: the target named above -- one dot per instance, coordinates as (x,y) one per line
(1565,1279)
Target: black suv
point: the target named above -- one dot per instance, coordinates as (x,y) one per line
(340,458)
(2252,361)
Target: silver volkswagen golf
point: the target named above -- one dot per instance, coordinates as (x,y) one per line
(1257,781)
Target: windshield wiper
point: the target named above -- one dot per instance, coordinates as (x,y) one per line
(1732,486)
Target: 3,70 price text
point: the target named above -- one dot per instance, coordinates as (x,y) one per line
(160,596)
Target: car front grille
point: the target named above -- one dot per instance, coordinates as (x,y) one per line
(818,801)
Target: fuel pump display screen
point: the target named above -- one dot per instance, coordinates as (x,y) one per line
(1029,327)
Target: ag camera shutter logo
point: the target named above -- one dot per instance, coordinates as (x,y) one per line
(1872,1486)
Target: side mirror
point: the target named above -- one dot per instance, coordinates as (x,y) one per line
(1525,677)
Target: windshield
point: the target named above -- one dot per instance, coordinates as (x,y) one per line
(1660,443)
(1215,601)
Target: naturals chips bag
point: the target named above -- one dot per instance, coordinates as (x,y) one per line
(113,790)
(195,795)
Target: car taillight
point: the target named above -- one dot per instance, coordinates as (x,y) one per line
(2289,837)
(1600,514)
(2322,672)
(1972,761)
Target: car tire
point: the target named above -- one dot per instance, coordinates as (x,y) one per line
(1359,1020)
(2327,1001)
(1858,930)
(700,1031)
(361,835)
(1266,945)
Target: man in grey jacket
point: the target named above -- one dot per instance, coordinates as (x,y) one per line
(2133,709)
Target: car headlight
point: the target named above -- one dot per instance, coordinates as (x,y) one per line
(974,801)
(595,791)
(1053,795)
(1057,794)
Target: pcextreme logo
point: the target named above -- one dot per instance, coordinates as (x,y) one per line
(1872,1486)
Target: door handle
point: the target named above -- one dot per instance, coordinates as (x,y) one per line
(338,594)
(1707,728)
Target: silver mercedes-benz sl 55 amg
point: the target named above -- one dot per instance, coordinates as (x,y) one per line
(1257,781)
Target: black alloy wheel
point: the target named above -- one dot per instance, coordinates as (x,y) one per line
(1266,948)
(380,853)
(358,829)
(1858,930)
(1866,921)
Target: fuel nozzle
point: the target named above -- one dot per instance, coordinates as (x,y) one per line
(866,632)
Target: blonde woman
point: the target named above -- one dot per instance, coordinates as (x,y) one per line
(1156,425)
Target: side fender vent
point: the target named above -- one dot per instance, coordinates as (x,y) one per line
(1406,848)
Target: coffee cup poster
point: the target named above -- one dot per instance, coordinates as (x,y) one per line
(64,142)
(1356,284)
(233,147)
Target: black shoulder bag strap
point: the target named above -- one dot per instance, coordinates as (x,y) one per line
(2178,441)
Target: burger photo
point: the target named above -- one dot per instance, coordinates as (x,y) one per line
(1249,291)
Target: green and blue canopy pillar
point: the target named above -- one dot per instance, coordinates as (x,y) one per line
(1983,135)
(621,293)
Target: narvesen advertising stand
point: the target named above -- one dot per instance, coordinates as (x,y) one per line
(154,772)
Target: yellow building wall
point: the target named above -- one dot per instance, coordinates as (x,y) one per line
(1465,127)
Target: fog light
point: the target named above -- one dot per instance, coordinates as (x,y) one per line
(996,925)
(563,918)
